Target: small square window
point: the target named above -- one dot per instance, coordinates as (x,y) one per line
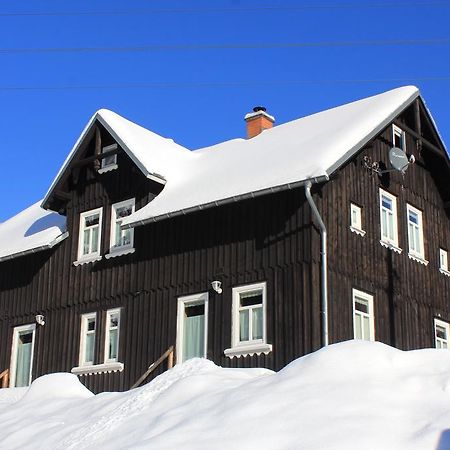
(388,221)
(121,241)
(441,333)
(108,162)
(398,138)
(249,321)
(443,262)
(416,249)
(363,316)
(355,220)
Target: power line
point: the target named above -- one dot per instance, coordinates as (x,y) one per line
(219,84)
(323,6)
(237,46)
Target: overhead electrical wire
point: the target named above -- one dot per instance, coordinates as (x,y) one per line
(275,8)
(219,84)
(237,46)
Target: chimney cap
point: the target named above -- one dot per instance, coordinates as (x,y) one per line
(259,108)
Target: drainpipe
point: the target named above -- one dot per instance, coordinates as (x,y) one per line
(323,244)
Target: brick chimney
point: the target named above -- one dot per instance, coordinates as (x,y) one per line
(257,121)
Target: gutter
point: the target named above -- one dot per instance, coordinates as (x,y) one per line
(48,246)
(226,201)
(324,268)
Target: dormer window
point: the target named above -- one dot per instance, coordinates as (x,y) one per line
(121,241)
(398,137)
(109,162)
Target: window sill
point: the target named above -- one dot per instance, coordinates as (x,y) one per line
(120,252)
(87,260)
(108,168)
(391,246)
(417,258)
(248,350)
(357,231)
(444,272)
(98,368)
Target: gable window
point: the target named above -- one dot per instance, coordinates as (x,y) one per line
(121,241)
(87,338)
(99,345)
(112,335)
(249,321)
(363,316)
(109,162)
(441,333)
(415,235)
(398,137)
(90,236)
(355,220)
(443,262)
(388,221)
(22,355)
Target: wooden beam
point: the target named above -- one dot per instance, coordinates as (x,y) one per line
(154,366)
(98,147)
(4,378)
(99,157)
(418,123)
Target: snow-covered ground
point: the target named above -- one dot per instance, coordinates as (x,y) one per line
(353,395)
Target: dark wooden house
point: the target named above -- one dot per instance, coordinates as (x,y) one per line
(252,252)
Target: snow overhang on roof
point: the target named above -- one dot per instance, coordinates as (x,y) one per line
(30,231)
(151,152)
(310,148)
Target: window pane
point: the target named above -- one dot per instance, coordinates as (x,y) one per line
(126,237)
(362,305)
(358,331)
(86,237)
(23,363)
(243,325)
(387,203)
(92,220)
(413,217)
(257,323)
(90,342)
(251,298)
(91,324)
(384,231)
(194,336)
(94,247)
(366,328)
(113,320)
(113,340)
(109,160)
(441,332)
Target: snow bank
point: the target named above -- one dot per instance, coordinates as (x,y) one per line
(352,395)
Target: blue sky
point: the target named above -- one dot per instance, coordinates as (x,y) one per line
(196,95)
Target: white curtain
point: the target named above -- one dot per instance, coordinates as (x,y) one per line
(23,362)
(194,337)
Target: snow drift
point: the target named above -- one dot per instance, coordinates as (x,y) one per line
(353,395)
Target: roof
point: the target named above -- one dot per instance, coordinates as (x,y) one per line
(312,147)
(31,230)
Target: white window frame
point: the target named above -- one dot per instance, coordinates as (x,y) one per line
(109,313)
(83,333)
(14,348)
(93,256)
(371,314)
(446,326)
(121,249)
(256,346)
(397,131)
(385,240)
(356,219)
(111,166)
(419,255)
(190,300)
(443,262)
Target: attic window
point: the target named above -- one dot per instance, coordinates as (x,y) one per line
(398,137)
(109,162)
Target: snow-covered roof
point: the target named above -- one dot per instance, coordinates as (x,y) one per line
(31,230)
(312,147)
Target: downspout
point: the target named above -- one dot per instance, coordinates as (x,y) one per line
(323,244)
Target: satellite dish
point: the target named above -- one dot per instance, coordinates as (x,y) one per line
(398,159)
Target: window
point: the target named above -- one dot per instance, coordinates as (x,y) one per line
(121,241)
(398,137)
(363,316)
(443,262)
(90,236)
(388,221)
(355,220)
(109,162)
(415,234)
(441,333)
(192,327)
(112,335)
(22,355)
(87,338)
(249,321)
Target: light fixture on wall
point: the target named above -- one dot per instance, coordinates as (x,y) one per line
(216,285)
(40,319)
